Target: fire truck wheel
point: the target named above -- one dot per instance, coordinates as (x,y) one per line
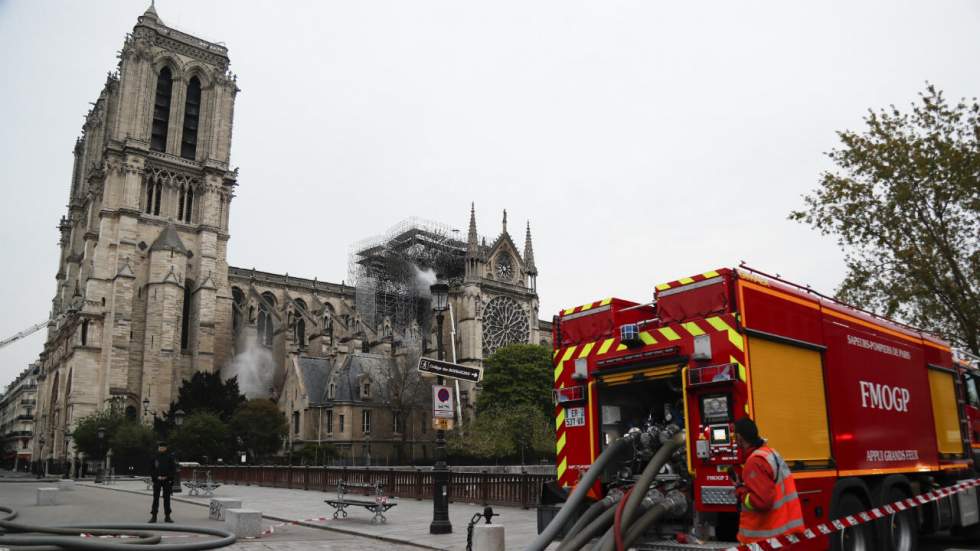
(898,532)
(855,538)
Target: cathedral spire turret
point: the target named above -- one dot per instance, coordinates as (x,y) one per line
(151,12)
(529,252)
(472,239)
(474,253)
(504,230)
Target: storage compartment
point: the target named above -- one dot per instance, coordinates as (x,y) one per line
(789,401)
(943,390)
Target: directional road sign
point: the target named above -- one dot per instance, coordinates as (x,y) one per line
(451,370)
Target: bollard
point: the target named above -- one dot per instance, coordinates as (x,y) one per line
(488,537)
(47,496)
(219,505)
(244,523)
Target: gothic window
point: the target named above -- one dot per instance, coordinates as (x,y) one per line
(84,332)
(331,391)
(504,322)
(185,203)
(185,321)
(295,422)
(68,384)
(340,422)
(329,421)
(161,110)
(192,112)
(237,309)
(265,325)
(365,390)
(154,192)
(300,328)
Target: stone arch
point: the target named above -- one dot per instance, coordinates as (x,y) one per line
(239,304)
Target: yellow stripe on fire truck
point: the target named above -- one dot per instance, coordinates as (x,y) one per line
(687,280)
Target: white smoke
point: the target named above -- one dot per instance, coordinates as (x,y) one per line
(255,368)
(424,279)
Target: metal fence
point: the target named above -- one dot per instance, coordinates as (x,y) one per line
(517,489)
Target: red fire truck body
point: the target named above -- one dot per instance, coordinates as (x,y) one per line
(857,405)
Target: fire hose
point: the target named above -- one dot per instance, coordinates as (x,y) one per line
(628,504)
(594,511)
(91,536)
(578,495)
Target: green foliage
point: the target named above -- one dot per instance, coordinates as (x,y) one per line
(312,454)
(519,374)
(133,439)
(207,392)
(85,435)
(202,435)
(261,426)
(904,204)
(520,432)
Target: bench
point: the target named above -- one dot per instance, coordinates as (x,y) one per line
(377,503)
(196,487)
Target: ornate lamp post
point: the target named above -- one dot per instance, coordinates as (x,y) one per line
(100,433)
(440,471)
(43,471)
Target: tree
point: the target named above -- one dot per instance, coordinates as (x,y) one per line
(202,437)
(85,434)
(261,426)
(904,205)
(405,393)
(519,431)
(133,445)
(518,374)
(207,392)
(315,454)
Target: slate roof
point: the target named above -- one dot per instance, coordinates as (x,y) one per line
(317,374)
(168,240)
(314,372)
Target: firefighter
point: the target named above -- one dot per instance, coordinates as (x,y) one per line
(766,490)
(163,473)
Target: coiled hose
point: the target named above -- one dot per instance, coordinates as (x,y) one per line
(61,538)
(578,495)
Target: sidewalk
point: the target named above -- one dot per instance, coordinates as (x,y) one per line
(408,523)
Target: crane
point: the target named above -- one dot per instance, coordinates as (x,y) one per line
(26,332)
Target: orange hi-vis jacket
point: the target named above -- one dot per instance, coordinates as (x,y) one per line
(770,505)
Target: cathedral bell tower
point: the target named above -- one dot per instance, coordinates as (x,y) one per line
(142,288)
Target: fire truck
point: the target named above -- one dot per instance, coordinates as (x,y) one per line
(865,411)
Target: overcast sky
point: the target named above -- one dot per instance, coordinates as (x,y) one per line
(645,141)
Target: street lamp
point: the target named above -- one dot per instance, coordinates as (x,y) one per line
(440,471)
(100,433)
(179,417)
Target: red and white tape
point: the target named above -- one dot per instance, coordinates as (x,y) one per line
(272,529)
(827,528)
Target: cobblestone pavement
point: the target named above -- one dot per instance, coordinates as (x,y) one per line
(88,505)
(407,523)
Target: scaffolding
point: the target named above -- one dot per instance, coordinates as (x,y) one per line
(391,273)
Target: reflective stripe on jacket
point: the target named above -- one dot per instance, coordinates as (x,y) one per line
(771,505)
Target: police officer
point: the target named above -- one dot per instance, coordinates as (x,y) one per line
(766,490)
(163,473)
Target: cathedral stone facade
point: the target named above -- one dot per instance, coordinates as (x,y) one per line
(145,296)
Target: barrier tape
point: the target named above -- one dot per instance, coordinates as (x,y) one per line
(272,529)
(837,525)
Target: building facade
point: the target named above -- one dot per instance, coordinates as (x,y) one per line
(145,296)
(18,405)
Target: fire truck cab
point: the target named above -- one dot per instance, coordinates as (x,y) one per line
(865,411)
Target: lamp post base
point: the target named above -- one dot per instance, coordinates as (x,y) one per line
(441,527)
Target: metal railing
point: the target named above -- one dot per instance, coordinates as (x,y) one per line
(509,489)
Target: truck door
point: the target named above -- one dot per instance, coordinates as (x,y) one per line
(971,383)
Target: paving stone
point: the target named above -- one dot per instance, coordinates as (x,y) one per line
(244,523)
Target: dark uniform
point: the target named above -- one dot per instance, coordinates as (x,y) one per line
(163,472)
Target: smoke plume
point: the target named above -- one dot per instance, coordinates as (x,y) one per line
(255,369)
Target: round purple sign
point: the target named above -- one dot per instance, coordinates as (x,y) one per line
(443,395)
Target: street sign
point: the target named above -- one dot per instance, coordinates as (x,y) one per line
(443,406)
(442,424)
(451,370)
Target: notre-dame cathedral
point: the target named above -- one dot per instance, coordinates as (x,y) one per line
(145,296)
